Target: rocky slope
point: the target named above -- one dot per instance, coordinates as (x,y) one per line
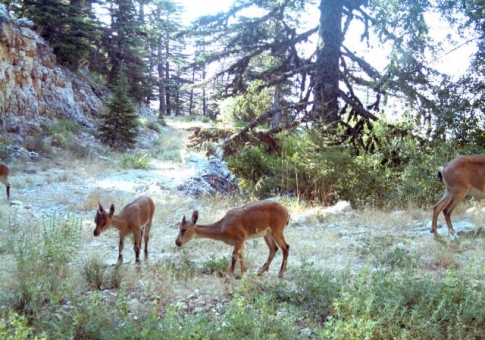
(33,88)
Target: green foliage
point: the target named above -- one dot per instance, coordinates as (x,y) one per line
(118,125)
(313,291)
(182,267)
(42,256)
(99,319)
(257,170)
(126,52)
(38,144)
(240,110)
(381,305)
(98,276)
(59,126)
(190,118)
(16,327)
(401,171)
(135,161)
(381,253)
(68,28)
(393,302)
(256,317)
(215,266)
(4,149)
(155,126)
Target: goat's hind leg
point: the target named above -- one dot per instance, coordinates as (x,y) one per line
(445,200)
(448,209)
(273,249)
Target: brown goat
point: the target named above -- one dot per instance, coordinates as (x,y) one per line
(260,219)
(4,171)
(135,218)
(462,176)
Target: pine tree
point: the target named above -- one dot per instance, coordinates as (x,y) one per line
(66,26)
(118,126)
(125,45)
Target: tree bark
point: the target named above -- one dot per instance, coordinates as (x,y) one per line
(276,118)
(326,90)
(161,81)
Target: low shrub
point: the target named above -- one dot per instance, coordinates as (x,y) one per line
(135,161)
(215,266)
(15,327)
(98,276)
(313,169)
(42,256)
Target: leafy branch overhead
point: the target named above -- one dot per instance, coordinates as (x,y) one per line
(333,82)
(338,66)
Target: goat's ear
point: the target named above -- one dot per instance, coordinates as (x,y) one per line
(111,210)
(100,207)
(195,217)
(184,220)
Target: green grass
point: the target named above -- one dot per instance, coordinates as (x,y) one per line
(403,287)
(394,302)
(135,160)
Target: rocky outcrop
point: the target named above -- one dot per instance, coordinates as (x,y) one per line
(33,87)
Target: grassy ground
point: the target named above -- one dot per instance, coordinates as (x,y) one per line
(366,274)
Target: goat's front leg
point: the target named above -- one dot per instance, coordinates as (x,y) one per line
(120,248)
(237,254)
(137,245)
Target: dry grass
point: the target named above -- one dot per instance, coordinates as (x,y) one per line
(172,276)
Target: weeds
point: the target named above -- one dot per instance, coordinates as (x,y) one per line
(215,266)
(45,293)
(393,301)
(135,161)
(42,256)
(15,327)
(99,277)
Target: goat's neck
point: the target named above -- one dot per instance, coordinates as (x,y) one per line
(121,223)
(213,231)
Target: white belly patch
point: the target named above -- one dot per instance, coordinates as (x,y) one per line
(260,233)
(476,193)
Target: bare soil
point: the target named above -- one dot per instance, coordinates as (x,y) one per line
(329,240)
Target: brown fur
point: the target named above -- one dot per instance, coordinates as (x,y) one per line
(135,218)
(4,171)
(462,176)
(260,219)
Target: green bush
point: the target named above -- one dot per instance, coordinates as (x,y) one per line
(382,305)
(98,276)
(60,126)
(42,256)
(396,175)
(215,266)
(37,143)
(154,126)
(16,327)
(135,161)
(118,126)
(242,109)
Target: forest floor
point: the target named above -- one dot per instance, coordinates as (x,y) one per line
(324,238)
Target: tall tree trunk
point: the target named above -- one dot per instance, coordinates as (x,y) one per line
(204,99)
(191,97)
(326,92)
(161,81)
(177,104)
(276,118)
(167,80)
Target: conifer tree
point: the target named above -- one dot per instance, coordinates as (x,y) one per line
(118,126)
(66,26)
(125,44)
